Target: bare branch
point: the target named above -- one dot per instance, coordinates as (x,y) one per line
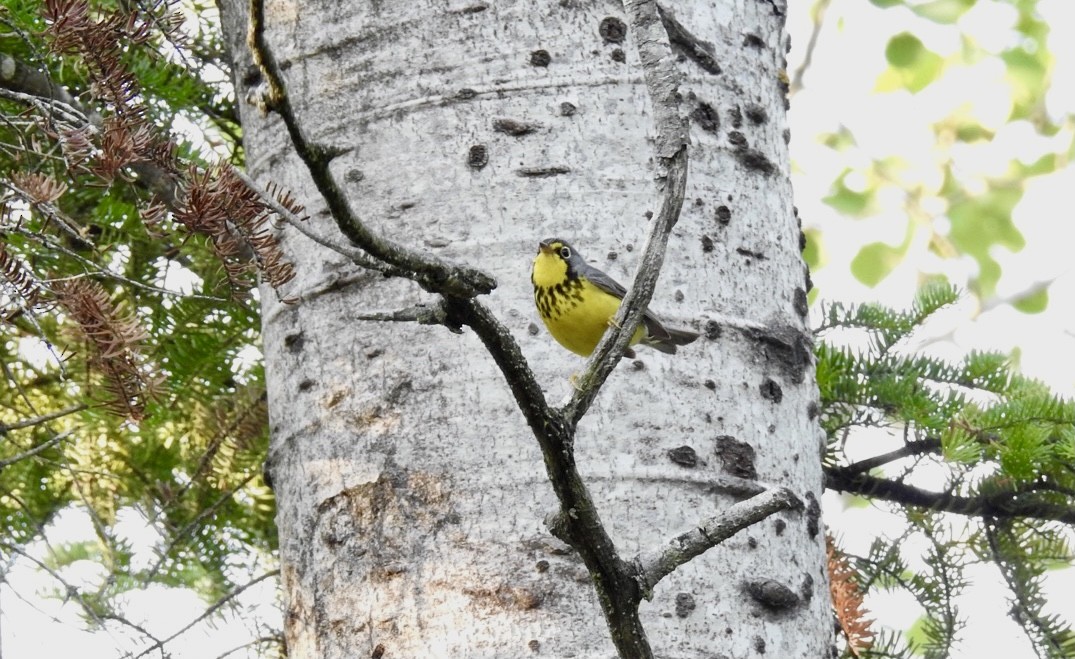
(656,564)
(423,314)
(819,19)
(928,445)
(235,592)
(662,82)
(182,535)
(357,256)
(431,272)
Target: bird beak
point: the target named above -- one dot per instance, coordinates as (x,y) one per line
(544,248)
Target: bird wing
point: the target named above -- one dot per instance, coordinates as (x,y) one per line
(609,285)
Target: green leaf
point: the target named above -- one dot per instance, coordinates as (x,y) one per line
(848,201)
(1033,303)
(1028,76)
(875,261)
(885,4)
(980,223)
(912,65)
(813,254)
(943,11)
(973,132)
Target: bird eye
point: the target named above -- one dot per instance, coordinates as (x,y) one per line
(565,252)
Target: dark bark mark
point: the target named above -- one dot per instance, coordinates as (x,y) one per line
(514,127)
(772,594)
(612,30)
(789,348)
(478,156)
(698,51)
(540,58)
(756,114)
(685,604)
(737,117)
(743,251)
(724,214)
(542,172)
(737,457)
(684,456)
(707,244)
(713,330)
(567,109)
(770,390)
(706,118)
(802,306)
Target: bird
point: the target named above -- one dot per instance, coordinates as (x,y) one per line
(577,303)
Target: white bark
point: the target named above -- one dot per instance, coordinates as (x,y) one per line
(411,494)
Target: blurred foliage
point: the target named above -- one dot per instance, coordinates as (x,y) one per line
(975,212)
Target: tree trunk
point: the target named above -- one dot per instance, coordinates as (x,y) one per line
(411,494)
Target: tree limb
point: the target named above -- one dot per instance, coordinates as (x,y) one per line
(999,505)
(29,453)
(429,271)
(44,418)
(662,82)
(928,445)
(357,256)
(41,91)
(657,563)
(235,592)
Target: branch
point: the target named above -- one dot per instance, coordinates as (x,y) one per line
(357,256)
(29,453)
(819,19)
(1001,505)
(423,314)
(657,563)
(928,445)
(31,87)
(191,526)
(662,82)
(235,592)
(431,272)
(44,418)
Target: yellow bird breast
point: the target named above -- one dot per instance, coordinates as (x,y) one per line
(575,311)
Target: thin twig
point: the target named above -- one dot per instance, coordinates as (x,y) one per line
(235,592)
(29,453)
(45,418)
(356,255)
(928,445)
(819,19)
(182,534)
(98,271)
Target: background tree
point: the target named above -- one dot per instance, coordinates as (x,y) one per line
(204,528)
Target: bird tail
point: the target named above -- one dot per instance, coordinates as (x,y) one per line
(666,339)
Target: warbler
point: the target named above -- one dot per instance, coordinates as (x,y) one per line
(577,303)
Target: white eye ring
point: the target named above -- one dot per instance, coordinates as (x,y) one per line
(565,252)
